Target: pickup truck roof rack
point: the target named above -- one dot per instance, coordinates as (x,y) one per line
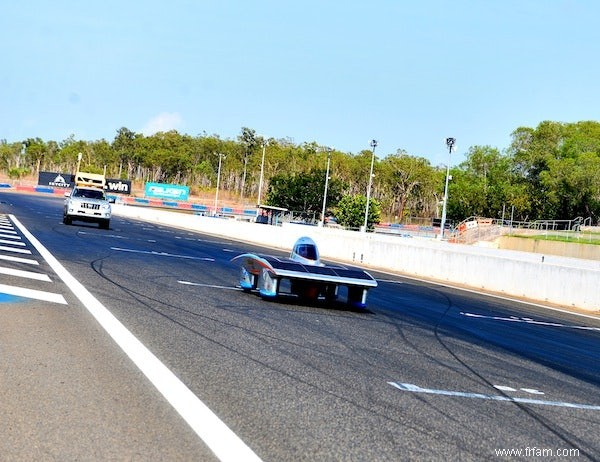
(90,180)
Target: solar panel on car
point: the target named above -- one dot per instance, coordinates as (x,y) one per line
(287,265)
(329,270)
(355,274)
(320,270)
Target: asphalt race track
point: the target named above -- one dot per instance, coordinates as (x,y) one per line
(134,343)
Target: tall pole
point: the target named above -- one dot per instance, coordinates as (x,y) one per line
(218,180)
(262,171)
(326,185)
(373,146)
(450,142)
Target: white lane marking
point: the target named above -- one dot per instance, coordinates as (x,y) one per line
(504,388)
(416,389)
(527,321)
(532,391)
(161,254)
(114,236)
(12,249)
(24,274)
(212,286)
(31,293)
(226,445)
(391,281)
(6,241)
(29,261)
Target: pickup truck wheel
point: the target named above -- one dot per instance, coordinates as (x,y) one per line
(104,224)
(67,220)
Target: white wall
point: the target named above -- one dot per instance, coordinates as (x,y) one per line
(564,281)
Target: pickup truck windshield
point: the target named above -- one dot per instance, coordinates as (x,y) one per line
(89,193)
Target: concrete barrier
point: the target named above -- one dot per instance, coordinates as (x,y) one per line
(562,281)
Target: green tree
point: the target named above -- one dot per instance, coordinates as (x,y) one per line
(481,185)
(249,142)
(6,154)
(409,185)
(350,211)
(547,161)
(125,147)
(573,185)
(69,153)
(35,151)
(303,194)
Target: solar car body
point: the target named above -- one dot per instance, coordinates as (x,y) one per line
(309,278)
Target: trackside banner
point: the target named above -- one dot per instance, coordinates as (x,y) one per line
(118,186)
(167,191)
(56,180)
(67,181)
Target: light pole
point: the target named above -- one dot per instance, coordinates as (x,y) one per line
(373,146)
(326,185)
(262,171)
(79,156)
(218,180)
(450,142)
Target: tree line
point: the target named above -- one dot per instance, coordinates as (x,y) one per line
(551,171)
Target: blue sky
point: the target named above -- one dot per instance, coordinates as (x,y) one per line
(406,73)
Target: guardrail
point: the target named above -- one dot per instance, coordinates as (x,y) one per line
(399,229)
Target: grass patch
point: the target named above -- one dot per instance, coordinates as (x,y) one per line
(573,238)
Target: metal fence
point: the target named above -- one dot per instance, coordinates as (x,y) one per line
(474,229)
